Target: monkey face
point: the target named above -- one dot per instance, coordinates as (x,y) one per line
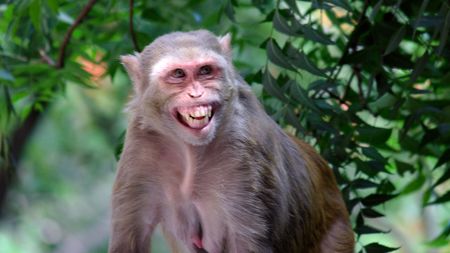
(193,89)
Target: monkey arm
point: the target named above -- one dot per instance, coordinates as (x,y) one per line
(135,202)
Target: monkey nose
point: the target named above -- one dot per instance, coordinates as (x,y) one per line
(195,94)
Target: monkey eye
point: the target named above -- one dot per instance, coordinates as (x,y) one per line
(205,70)
(178,73)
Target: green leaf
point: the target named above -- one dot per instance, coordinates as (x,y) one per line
(375,10)
(300,95)
(270,85)
(423,6)
(322,84)
(444,158)
(371,213)
(301,61)
(344,4)
(318,123)
(54,5)
(444,34)
(419,67)
(366,168)
(395,40)
(281,25)
(429,21)
(374,135)
(386,186)
(315,35)
(373,154)
(293,6)
(119,146)
(361,183)
(293,119)
(415,184)
(9,104)
(378,248)
(442,239)
(5,75)
(429,136)
(442,199)
(443,178)
(403,167)
(385,101)
(377,199)
(35,13)
(364,229)
(229,11)
(277,56)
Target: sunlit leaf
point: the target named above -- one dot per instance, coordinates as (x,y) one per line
(385,101)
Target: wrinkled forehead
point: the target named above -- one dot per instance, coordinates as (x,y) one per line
(186,56)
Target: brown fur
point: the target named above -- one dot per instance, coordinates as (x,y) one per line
(242,186)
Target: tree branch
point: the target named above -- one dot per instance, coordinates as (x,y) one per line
(131,25)
(22,133)
(68,35)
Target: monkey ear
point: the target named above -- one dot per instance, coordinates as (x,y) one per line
(225,43)
(132,65)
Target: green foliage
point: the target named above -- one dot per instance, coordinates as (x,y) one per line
(365,82)
(379,104)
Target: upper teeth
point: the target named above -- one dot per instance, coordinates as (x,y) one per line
(196,111)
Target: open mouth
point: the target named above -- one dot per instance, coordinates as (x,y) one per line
(195,117)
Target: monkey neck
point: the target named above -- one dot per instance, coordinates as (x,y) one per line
(188,155)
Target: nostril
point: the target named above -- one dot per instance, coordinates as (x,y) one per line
(195,95)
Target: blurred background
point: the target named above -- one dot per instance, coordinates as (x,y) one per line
(365,82)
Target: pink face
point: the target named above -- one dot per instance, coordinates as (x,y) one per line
(195,89)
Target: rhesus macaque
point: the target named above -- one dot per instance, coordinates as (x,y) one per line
(203,159)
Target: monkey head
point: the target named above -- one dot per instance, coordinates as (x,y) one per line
(183,84)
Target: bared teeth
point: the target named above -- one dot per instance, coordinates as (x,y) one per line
(196,116)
